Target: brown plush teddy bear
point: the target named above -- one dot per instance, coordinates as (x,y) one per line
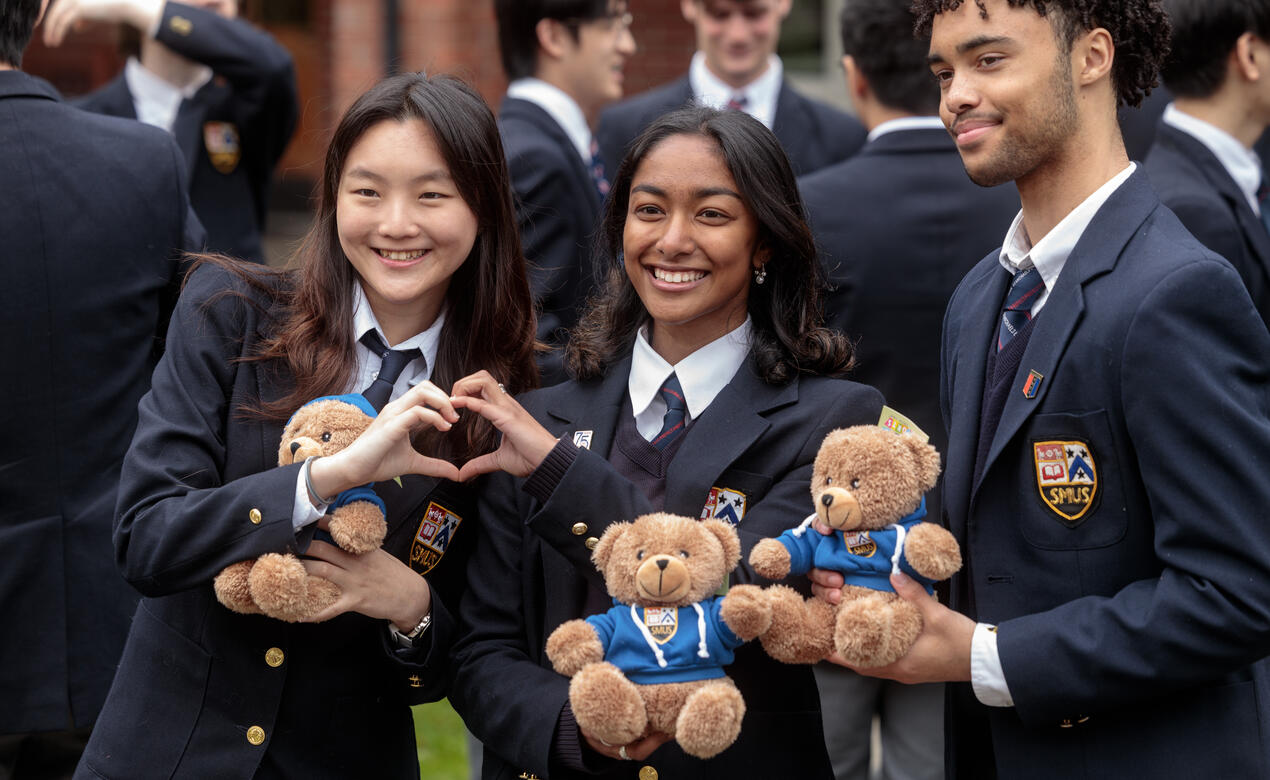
(867,484)
(276,584)
(654,662)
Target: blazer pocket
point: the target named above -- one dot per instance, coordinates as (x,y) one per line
(155,701)
(1070,483)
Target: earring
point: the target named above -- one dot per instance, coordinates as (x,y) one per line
(760,274)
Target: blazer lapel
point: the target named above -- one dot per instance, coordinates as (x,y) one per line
(788,123)
(732,422)
(1095,253)
(969,363)
(187,128)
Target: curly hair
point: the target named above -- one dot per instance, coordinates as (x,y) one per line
(1139,30)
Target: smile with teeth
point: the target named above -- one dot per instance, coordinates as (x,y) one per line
(678,276)
(408,254)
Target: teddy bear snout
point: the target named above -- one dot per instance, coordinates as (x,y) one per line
(662,578)
(301,448)
(838,508)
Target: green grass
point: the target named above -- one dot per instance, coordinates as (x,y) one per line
(442,742)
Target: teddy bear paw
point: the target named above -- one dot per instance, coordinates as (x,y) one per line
(746,610)
(232,589)
(284,590)
(801,631)
(606,705)
(358,527)
(770,559)
(932,551)
(710,720)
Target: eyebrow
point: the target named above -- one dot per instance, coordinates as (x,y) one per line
(970,45)
(438,174)
(704,192)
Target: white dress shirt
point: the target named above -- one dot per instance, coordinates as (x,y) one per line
(760,94)
(303,511)
(702,375)
(1242,163)
(1049,255)
(155,100)
(560,107)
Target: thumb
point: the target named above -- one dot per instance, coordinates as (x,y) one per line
(909,589)
(483,464)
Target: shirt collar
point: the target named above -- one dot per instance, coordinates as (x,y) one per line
(155,98)
(560,107)
(1050,254)
(906,123)
(702,374)
(761,94)
(427,341)
(1240,162)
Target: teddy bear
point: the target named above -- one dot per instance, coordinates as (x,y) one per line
(868,484)
(276,584)
(654,662)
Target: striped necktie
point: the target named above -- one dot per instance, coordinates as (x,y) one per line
(1023,292)
(672,425)
(393,361)
(597,170)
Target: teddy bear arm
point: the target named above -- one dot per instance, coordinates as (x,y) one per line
(358,525)
(771,559)
(932,551)
(573,645)
(746,610)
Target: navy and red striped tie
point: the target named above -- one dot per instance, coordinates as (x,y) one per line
(1024,290)
(672,425)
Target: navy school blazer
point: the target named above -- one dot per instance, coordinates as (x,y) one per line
(557,209)
(1130,589)
(813,134)
(233,130)
(530,569)
(1194,184)
(199,692)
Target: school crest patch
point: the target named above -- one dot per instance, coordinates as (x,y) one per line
(1066,478)
(223,147)
(860,543)
(724,504)
(436,531)
(662,623)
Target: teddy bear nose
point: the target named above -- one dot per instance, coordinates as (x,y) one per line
(827,499)
(295,445)
(661,563)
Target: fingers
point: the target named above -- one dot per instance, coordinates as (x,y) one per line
(323,554)
(479,385)
(435,467)
(422,396)
(910,589)
(821,527)
(58,21)
(638,750)
(826,585)
(483,464)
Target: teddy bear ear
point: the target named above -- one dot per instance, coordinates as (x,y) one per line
(927,459)
(727,537)
(604,548)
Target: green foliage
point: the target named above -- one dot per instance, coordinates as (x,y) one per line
(442,742)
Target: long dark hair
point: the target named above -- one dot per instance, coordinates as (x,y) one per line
(789,337)
(489,321)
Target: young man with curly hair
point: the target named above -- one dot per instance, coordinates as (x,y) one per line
(1104,381)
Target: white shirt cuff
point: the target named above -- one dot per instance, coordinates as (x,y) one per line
(303,512)
(986,676)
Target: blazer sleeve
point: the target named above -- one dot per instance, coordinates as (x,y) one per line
(258,68)
(179,520)
(1212,222)
(592,488)
(508,700)
(1193,390)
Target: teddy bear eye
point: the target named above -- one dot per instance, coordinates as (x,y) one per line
(639,556)
(326,436)
(828,480)
(683,553)
(855,483)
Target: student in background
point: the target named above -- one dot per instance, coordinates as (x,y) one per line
(564,60)
(736,67)
(225,89)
